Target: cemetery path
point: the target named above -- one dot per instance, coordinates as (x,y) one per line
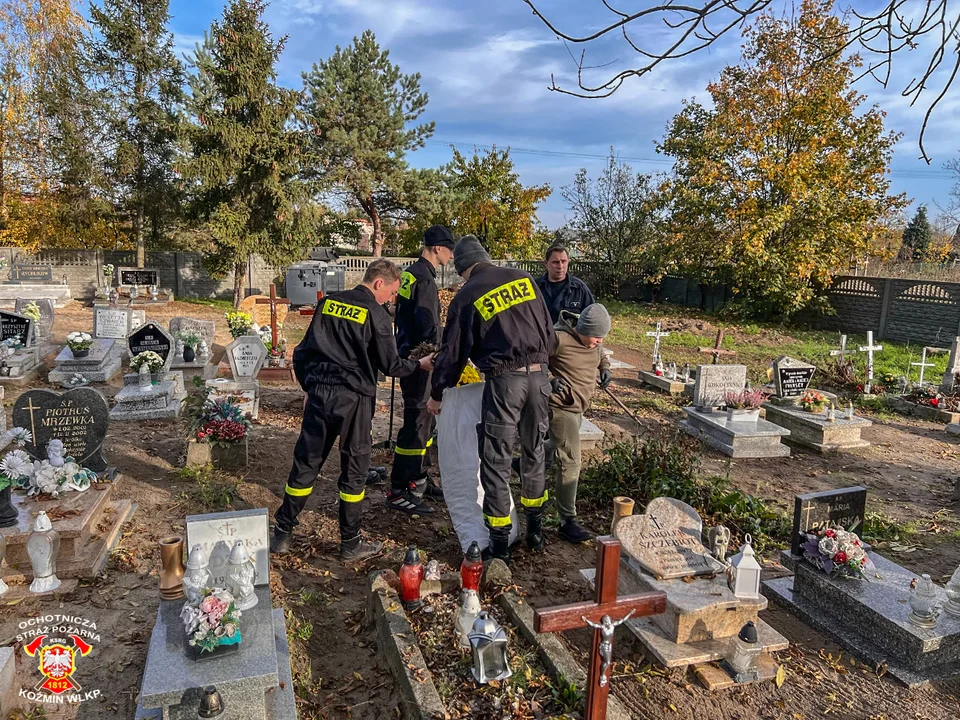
(339,673)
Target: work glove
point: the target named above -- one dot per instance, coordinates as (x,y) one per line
(605,377)
(558,386)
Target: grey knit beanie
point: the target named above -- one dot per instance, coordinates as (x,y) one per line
(468,253)
(594,322)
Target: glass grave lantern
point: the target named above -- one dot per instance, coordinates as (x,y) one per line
(744,653)
(411,576)
(952,605)
(488,642)
(471,568)
(745,571)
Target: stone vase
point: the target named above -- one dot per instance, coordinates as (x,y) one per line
(8,513)
(171,568)
(622,507)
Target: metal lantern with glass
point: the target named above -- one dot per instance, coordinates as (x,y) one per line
(952,605)
(488,642)
(744,653)
(745,571)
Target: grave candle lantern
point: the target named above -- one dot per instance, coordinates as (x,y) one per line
(211,704)
(745,650)
(197,576)
(411,575)
(471,568)
(745,571)
(488,642)
(952,606)
(469,609)
(43,546)
(240,577)
(3,551)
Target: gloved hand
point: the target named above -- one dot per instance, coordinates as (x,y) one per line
(558,386)
(605,377)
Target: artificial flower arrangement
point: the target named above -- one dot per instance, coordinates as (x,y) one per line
(266,337)
(32,311)
(925,395)
(41,477)
(149,358)
(212,620)
(108,270)
(220,422)
(77,380)
(79,341)
(745,399)
(837,552)
(813,401)
(189,338)
(468,376)
(240,323)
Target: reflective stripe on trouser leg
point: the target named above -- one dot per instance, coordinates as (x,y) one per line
(355,448)
(413,439)
(533,427)
(318,430)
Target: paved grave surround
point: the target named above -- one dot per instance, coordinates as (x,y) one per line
(45,325)
(791,377)
(246,356)
(78,417)
(247,390)
(869,617)
(760,439)
(100,365)
(151,336)
(590,435)
(10,293)
(218,532)
(843,507)
(661,382)
(814,431)
(714,381)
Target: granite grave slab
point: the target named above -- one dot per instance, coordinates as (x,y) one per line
(78,417)
(715,381)
(20,367)
(758,439)
(161,401)
(843,507)
(815,432)
(219,532)
(675,386)
(100,365)
(590,435)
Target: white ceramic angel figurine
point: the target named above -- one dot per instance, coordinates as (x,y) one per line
(55,453)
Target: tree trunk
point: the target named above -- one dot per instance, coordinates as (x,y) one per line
(138,234)
(239,270)
(377,238)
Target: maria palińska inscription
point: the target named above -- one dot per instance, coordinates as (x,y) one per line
(844,508)
(78,417)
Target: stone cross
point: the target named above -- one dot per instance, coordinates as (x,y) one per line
(603,615)
(923,364)
(656,341)
(273,301)
(842,352)
(717,350)
(869,349)
(953,367)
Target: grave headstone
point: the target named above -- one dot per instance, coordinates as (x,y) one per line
(714,381)
(207,329)
(791,377)
(143,277)
(32,273)
(244,393)
(78,417)
(19,327)
(111,322)
(152,337)
(217,533)
(947,385)
(45,305)
(666,540)
(845,507)
(246,355)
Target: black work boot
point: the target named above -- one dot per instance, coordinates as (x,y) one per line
(499,547)
(356,549)
(432,491)
(280,542)
(574,532)
(535,540)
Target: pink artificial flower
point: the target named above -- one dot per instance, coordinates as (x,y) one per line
(208,604)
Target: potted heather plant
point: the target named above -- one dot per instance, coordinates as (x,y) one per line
(744,406)
(79,343)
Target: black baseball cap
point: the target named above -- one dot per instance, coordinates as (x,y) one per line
(438,236)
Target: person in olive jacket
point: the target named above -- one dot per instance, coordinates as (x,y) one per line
(350,340)
(499,321)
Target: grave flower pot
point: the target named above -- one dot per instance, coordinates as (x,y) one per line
(743,415)
(80,353)
(8,513)
(188,354)
(230,457)
(228,646)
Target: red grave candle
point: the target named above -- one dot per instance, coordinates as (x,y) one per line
(411,575)
(471,568)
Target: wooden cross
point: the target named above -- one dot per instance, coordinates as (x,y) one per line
(923,364)
(656,342)
(273,301)
(842,352)
(603,615)
(717,350)
(868,349)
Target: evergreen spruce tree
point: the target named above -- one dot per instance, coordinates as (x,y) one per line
(916,237)
(142,81)
(245,154)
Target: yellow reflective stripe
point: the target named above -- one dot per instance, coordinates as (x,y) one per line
(536,502)
(430,442)
(347,497)
(299,492)
(342,310)
(505,297)
(497,521)
(409,451)
(406,284)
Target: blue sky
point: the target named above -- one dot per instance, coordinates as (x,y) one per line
(487,67)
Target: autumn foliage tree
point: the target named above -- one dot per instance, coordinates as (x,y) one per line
(783,180)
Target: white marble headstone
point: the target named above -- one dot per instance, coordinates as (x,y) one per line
(111,322)
(246,355)
(715,381)
(217,533)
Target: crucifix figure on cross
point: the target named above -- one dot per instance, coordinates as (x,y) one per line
(717,349)
(273,301)
(600,615)
(869,348)
(656,335)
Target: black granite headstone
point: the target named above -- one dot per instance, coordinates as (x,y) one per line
(844,508)
(13,325)
(139,276)
(150,337)
(77,417)
(32,273)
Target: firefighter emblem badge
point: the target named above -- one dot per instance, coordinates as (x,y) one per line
(56,643)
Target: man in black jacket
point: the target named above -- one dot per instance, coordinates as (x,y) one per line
(418,321)
(499,321)
(349,341)
(562,291)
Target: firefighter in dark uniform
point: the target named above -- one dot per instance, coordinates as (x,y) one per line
(349,341)
(499,321)
(418,321)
